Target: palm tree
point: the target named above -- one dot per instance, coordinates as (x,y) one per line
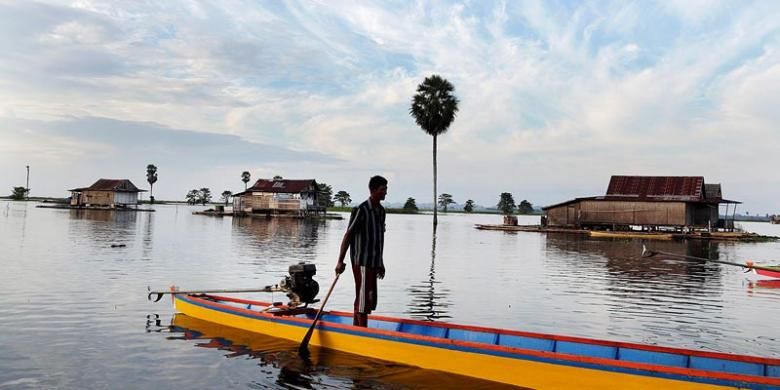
(151,177)
(434,108)
(245,176)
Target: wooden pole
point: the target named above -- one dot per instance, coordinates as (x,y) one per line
(304,348)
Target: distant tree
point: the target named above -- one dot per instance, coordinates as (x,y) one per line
(226,196)
(277,177)
(151,177)
(444,201)
(525,207)
(468,206)
(192,197)
(18,193)
(245,177)
(343,198)
(434,107)
(204,195)
(506,203)
(324,194)
(410,205)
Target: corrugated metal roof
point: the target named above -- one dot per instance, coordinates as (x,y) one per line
(115,185)
(283,186)
(682,188)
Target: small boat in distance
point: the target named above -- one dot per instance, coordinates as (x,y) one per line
(768,271)
(508,356)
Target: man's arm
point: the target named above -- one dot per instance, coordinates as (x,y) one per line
(340,266)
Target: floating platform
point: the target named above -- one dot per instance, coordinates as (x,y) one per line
(215,213)
(69,207)
(720,236)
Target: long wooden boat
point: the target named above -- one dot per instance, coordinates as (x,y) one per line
(519,358)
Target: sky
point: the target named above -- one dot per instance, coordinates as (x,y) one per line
(555,97)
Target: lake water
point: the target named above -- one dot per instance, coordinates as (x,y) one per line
(74,314)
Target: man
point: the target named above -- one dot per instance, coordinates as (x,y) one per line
(365,237)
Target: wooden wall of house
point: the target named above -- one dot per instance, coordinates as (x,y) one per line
(266,201)
(633,213)
(592,212)
(562,216)
(97,198)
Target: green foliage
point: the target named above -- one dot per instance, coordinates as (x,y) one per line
(343,198)
(245,177)
(468,206)
(506,203)
(525,207)
(202,196)
(205,195)
(410,205)
(277,177)
(444,201)
(151,177)
(192,197)
(324,194)
(434,106)
(18,193)
(226,196)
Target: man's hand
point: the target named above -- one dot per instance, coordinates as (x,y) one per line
(381,272)
(340,267)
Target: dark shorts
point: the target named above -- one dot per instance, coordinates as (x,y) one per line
(365,289)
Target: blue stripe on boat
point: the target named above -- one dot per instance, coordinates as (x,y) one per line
(712,364)
(592,350)
(336,319)
(473,336)
(423,330)
(508,340)
(652,357)
(773,371)
(383,325)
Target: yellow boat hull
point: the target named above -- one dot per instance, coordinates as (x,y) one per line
(508,370)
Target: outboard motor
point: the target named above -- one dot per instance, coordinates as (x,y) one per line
(300,286)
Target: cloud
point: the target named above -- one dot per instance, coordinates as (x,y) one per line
(91,147)
(555,97)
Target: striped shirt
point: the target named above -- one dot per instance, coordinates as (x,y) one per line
(367,228)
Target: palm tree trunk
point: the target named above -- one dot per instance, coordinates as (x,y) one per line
(435,216)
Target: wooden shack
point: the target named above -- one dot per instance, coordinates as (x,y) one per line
(645,201)
(279,197)
(112,193)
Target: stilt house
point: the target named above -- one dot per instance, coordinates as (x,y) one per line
(113,193)
(649,202)
(296,198)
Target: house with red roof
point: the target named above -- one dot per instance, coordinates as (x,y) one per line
(112,193)
(279,197)
(647,202)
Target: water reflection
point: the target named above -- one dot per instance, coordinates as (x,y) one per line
(276,238)
(280,365)
(622,260)
(103,227)
(427,304)
(667,297)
